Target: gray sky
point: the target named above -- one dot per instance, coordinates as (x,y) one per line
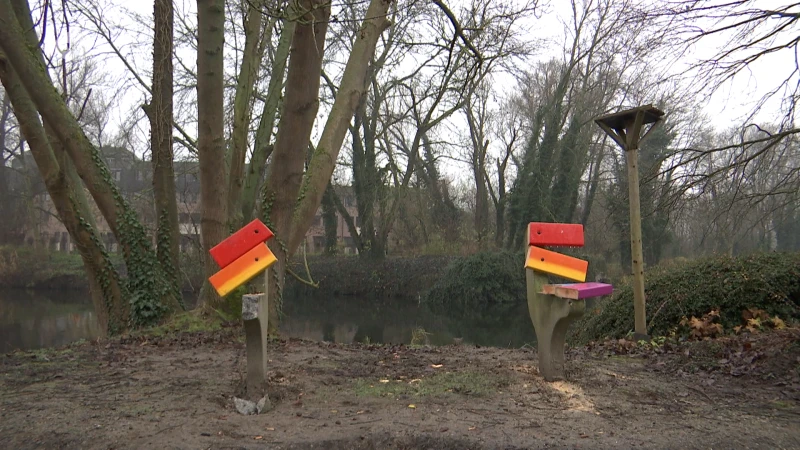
(726,107)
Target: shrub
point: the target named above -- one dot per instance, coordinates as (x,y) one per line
(483,279)
(729,285)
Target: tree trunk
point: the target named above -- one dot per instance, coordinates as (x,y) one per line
(481,203)
(262,148)
(330,222)
(500,206)
(211,137)
(594,182)
(108,294)
(242,110)
(155,296)
(351,88)
(301,102)
(159,111)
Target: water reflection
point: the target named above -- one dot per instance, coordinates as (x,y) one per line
(35,319)
(348,319)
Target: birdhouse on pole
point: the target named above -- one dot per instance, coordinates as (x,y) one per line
(625,128)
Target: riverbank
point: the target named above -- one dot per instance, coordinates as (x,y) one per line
(174,391)
(394,277)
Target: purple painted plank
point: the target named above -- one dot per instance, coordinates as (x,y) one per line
(578,291)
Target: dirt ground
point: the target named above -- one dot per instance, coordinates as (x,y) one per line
(175,392)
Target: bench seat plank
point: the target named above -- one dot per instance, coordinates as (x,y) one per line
(578,291)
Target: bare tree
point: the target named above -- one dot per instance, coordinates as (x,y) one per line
(211,133)
(740,33)
(159,112)
(155,295)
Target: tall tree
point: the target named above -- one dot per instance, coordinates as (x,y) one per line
(476,110)
(292,197)
(153,295)
(159,112)
(242,108)
(211,132)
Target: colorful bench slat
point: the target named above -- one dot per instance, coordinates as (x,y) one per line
(578,291)
(240,243)
(243,269)
(555,234)
(556,264)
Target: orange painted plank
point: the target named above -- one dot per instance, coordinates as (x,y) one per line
(240,243)
(243,269)
(554,263)
(555,234)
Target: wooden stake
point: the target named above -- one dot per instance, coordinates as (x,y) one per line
(637,264)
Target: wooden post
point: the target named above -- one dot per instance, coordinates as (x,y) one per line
(637,263)
(255,313)
(625,128)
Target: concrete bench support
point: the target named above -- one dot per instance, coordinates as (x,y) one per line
(551,317)
(255,313)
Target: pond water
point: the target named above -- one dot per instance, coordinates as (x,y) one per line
(36,319)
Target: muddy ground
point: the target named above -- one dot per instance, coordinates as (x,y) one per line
(175,392)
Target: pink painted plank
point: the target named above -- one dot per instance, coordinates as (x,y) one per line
(240,243)
(578,291)
(555,234)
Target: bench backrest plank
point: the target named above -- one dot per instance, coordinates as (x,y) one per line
(556,264)
(240,243)
(555,234)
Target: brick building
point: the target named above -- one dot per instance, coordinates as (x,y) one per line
(134,179)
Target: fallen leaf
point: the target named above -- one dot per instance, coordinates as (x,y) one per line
(384,381)
(258,438)
(412,406)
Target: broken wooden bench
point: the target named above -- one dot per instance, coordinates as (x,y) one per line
(553,307)
(241,257)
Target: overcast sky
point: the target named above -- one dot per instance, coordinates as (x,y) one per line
(726,107)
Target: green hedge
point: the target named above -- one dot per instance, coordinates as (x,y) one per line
(768,281)
(477,281)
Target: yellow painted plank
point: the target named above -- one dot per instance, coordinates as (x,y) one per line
(554,263)
(243,269)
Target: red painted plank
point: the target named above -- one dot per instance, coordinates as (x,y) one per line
(240,243)
(578,291)
(555,234)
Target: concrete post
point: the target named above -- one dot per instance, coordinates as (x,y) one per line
(255,313)
(551,317)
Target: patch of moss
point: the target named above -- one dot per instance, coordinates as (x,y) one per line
(188,322)
(446,383)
